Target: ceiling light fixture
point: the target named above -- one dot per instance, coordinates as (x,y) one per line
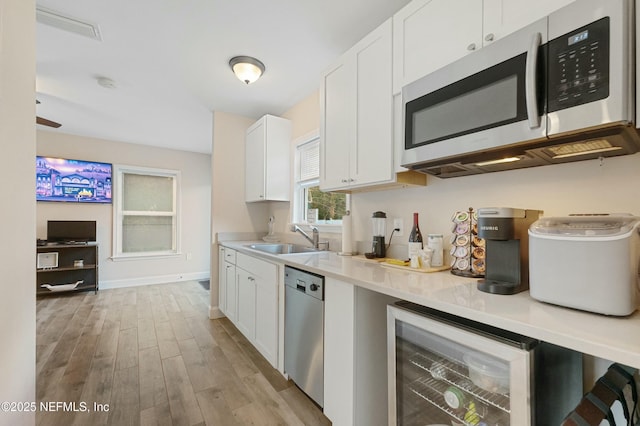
(246,68)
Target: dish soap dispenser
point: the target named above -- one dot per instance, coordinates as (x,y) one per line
(271,237)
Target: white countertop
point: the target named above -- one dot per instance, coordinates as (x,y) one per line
(611,338)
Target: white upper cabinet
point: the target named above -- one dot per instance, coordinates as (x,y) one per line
(337,124)
(429,34)
(268,143)
(502,17)
(356,124)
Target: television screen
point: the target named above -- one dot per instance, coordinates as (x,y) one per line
(67,231)
(59,179)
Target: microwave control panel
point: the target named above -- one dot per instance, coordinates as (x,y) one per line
(579,66)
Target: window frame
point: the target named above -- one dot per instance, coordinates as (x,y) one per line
(119,214)
(299,197)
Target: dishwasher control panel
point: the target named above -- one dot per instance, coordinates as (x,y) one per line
(305,282)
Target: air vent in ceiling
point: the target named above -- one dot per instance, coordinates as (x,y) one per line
(66,23)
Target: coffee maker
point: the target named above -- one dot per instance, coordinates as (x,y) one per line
(505,231)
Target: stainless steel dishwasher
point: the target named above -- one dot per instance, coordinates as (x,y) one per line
(304,331)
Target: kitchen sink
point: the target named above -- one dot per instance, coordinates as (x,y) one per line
(282,248)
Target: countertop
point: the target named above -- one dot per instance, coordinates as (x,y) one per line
(613,338)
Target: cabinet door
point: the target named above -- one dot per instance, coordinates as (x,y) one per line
(267,318)
(231,292)
(372,155)
(337,124)
(357,115)
(277,149)
(501,17)
(246,303)
(429,34)
(255,162)
(222,281)
(339,350)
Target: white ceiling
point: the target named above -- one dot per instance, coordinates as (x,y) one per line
(169,60)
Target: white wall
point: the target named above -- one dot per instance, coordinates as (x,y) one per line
(17,266)
(304,116)
(229,212)
(195,204)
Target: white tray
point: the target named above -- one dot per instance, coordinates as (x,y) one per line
(62,287)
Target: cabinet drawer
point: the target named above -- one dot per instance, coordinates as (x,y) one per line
(230,255)
(257,267)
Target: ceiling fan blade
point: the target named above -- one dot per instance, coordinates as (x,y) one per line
(46,122)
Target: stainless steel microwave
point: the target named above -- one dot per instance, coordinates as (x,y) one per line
(561,89)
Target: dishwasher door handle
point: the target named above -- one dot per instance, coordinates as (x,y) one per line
(301,288)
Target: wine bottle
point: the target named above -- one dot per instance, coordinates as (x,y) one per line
(415,238)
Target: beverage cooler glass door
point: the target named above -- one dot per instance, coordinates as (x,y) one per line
(441,373)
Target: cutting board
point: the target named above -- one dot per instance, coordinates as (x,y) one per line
(410,269)
(374,260)
(382,261)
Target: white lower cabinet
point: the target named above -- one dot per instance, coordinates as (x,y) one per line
(227,288)
(257,318)
(231,292)
(222,281)
(266,332)
(355,355)
(246,303)
(338,351)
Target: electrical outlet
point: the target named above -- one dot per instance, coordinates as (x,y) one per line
(398,224)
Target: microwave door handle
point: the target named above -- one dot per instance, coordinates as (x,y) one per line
(530,81)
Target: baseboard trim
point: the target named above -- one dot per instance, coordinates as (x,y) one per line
(215,312)
(158,279)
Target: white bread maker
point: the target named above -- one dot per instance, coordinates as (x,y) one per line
(587,262)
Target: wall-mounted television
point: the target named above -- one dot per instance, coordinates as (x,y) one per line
(77,181)
(71,231)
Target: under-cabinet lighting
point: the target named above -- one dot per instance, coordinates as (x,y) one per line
(498,161)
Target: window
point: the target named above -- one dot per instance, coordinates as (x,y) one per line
(312,205)
(145,212)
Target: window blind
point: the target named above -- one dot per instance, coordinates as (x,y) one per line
(309,155)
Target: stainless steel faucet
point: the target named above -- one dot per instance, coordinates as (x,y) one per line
(315,239)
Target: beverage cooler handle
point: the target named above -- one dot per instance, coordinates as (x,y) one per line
(530,81)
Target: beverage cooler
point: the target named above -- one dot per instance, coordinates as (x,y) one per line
(446,370)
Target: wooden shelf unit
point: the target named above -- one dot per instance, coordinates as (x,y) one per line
(65,272)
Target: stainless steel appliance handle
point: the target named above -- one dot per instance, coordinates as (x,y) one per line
(530,81)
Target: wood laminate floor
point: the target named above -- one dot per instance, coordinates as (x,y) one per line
(151,356)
